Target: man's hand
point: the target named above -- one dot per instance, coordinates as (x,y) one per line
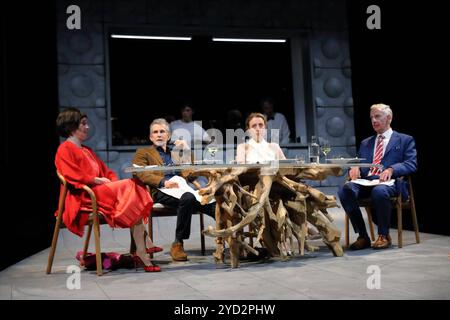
(354,173)
(99,180)
(170,184)
(181,144)
(386,175)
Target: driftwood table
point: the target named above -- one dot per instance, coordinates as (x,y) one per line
(264,206)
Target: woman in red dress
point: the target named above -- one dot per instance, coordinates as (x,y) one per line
(123,203)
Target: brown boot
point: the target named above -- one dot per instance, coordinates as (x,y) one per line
(177,252)
(383,242)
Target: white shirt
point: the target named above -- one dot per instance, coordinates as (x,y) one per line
(387,136)
(279,122)
(254,152)
(188,131)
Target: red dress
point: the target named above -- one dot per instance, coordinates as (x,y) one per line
(121,202)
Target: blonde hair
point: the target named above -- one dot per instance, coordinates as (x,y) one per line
(383,108)
(255,115)
(162,122)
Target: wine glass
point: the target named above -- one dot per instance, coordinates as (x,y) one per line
(326,148)
(299,159)
(212,152)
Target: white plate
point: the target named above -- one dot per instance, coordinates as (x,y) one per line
(345,160)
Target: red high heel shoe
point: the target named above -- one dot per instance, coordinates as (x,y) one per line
(154,249)
(151,268)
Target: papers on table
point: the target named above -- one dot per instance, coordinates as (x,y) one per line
(371,183)
(345,160)
(183,187)
(145,167)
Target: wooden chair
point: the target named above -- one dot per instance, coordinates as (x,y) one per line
(399,205)
(94,220)
(160,210)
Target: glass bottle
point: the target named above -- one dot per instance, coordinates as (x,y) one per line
(314,150)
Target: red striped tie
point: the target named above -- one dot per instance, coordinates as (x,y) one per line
(374,171)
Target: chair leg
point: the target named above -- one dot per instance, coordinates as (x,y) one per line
(399,222)
(369,217)
(412,207)
(98,253)
(202,236)
(150,231)
(87,240)
(347,232)
(132,243)
(51,254)
(414,220)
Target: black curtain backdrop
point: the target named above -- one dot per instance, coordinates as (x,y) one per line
(28,139)
(405,65)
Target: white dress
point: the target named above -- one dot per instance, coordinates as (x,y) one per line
(258,152)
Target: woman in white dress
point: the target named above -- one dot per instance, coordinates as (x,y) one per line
(257,149)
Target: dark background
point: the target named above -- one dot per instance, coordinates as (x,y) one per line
(405,65)
(159,76)
(400,65)
(29,106)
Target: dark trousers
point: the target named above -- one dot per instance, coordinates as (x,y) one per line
(382,206)
(186,206)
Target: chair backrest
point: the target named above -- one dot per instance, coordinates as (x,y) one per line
(407,203)
(63,193)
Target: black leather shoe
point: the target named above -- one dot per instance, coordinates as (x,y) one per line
(360,243)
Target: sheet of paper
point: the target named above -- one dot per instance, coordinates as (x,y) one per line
(182,188)
(146,167)
(371,183)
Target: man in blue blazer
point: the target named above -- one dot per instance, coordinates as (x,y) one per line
(396,152)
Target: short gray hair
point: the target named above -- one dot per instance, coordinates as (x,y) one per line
(383,108)
(161,122)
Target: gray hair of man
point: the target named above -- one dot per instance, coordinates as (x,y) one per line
(161,122)
(383,108)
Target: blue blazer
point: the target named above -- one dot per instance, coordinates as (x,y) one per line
(400,155)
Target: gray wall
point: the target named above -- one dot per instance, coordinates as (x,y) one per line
(322,78)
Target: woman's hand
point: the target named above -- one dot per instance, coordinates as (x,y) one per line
(99,180)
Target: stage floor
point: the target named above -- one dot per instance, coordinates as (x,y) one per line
(417,271)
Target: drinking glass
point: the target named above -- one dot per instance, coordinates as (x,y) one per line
(326,148)
(212,152)
(299,159)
